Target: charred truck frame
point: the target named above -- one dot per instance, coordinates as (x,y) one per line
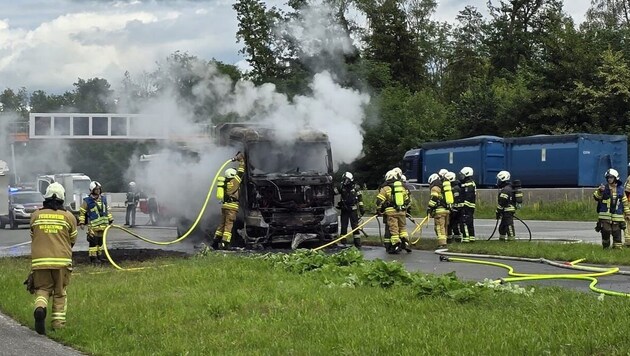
(287,192)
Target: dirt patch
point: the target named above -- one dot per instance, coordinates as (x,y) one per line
(125,255)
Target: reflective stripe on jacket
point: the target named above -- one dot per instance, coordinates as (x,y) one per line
(611,204)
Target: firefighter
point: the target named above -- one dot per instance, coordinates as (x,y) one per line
(131,202)
(351,206)
(453,232)
(95,213)
(468,194)
(387,236)
(228,194)
(53,234)
(626,213)
(612,205)
(394,199)
(506,207)
(438,208)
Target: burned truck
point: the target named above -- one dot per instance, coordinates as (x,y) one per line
(287,193)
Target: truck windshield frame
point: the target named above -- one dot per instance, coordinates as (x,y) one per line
(298,158)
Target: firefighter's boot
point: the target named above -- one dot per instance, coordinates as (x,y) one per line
(357,242)
(606,239)
(95,261)
(40,320)
(216,243)
(502,238)
(101,256)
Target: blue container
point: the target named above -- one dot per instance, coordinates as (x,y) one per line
(484,154)
(574,160)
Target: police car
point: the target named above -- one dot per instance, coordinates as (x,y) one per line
(21,204)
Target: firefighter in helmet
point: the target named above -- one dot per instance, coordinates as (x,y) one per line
(131,202)
(506,207)
(453,232)
(626,212)
(438,207)
(54,233)
(228,194)
(395,200)
(95,213)
(351,206)
(468,193)
(612,204)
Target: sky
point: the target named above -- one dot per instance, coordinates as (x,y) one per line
(48,44)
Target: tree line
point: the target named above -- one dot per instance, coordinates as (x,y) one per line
(526,68)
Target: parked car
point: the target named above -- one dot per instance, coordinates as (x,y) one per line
(21,204)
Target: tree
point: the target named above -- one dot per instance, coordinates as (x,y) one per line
(389,40)
(256,30)
(94,96)
(12,102)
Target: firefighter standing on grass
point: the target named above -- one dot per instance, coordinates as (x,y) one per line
(438,206)
(468,193)
(228,194)
(612,204)
(53,234)
(95,213)
(394,199)
(351,206)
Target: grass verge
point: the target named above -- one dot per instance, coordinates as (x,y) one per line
(310,303)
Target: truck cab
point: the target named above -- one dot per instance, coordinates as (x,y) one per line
(77,186)
(287,190)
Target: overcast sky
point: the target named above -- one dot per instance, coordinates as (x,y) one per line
(49,44)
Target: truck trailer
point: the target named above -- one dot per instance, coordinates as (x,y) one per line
(572,160)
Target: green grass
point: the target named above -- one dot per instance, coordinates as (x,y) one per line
(317,306)
(569,210)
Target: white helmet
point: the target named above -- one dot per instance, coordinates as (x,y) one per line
(348,176)
(93,185)
(466,172)
(390,175)
(55,191)
(132,184)
(230,173)
(403,178)
(503,176)
(612,173)
(433,177)
(450,176)
(398,171)
(442,172)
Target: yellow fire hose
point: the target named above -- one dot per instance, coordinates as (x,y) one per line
(185,235)
(346,235)
(417,229)
(516,277)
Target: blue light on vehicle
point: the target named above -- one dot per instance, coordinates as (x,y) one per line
(13,190)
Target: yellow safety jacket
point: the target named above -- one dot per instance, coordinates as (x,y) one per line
(53,232)
(232,188)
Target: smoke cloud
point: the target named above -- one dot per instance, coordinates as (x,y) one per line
(181,181)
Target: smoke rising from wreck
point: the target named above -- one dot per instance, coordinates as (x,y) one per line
(181,181)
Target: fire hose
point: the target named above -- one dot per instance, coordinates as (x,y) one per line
(517,218)
(445,255)
(163,243)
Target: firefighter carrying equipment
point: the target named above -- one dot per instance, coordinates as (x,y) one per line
(612,205)
(448,192)
(220,188)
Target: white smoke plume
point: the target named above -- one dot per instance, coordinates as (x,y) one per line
(181,183)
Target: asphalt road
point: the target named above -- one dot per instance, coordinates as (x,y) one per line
(17,242)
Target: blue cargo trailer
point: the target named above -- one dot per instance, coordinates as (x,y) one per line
(573,160)
(485,154)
